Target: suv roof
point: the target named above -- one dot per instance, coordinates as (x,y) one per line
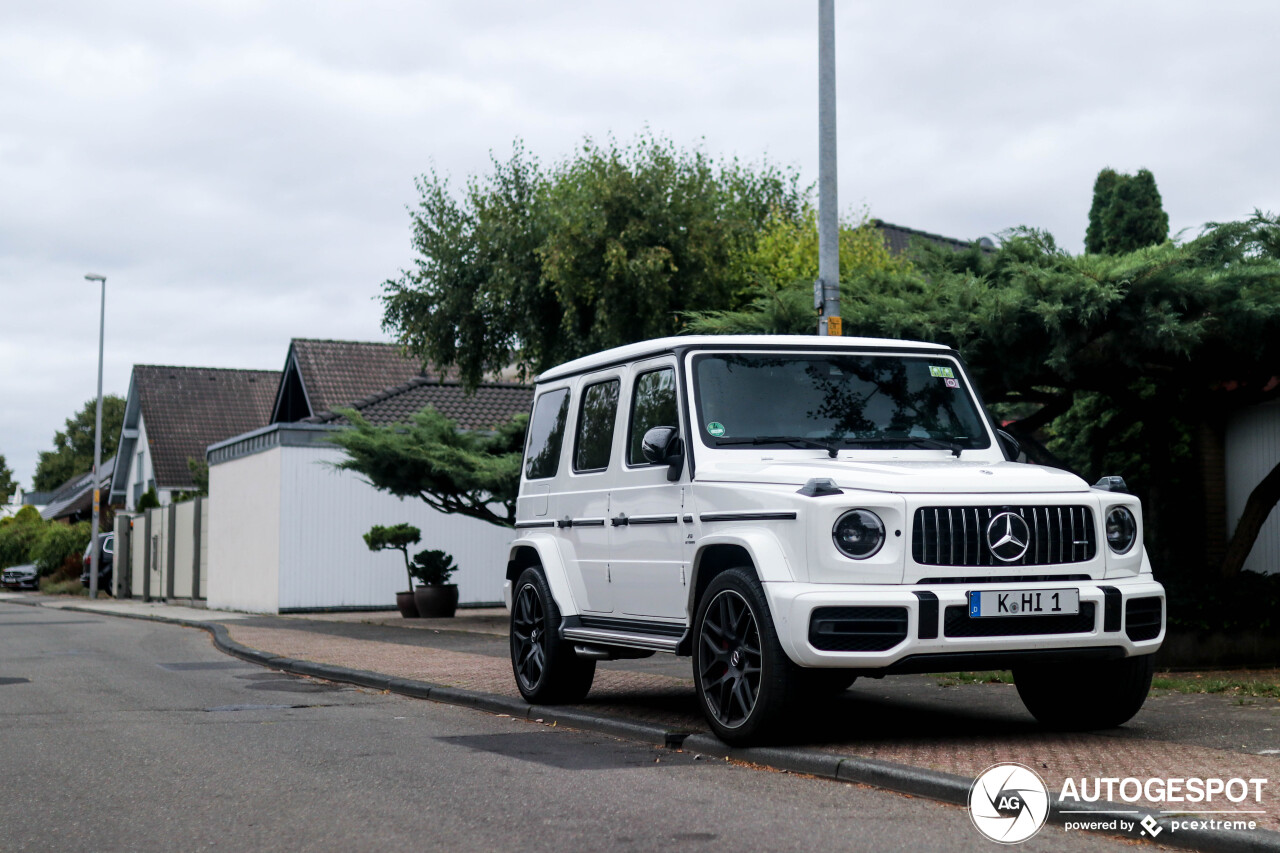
(657,346)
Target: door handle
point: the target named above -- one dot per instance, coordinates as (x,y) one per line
(619,520)
(564,522)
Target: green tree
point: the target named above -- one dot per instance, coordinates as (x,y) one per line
(1146,338)
(535,266)
(72,452)
(468,473)
(18,535)
(8,487)
(199,469)
(60,546)
(1127,214)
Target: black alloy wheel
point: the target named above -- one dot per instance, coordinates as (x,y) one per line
(528,640)
(730,660)
(742,676)
(546,668)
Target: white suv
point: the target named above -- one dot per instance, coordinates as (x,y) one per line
(793,512)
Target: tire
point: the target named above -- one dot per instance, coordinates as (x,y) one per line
(742,676)
(1081,697)
(545,667)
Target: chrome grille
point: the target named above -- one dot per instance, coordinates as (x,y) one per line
(957,535)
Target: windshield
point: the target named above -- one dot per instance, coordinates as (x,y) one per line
(835,400)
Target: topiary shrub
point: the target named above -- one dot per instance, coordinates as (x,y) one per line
(432,567)
(397,537)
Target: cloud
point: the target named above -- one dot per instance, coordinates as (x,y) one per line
(240,170)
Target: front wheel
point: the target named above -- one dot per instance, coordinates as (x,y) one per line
(1080,697)
(545,667)
(742,676)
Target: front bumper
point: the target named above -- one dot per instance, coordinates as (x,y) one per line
(933,639)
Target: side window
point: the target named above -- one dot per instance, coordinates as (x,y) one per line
(653,403)
(594,441)
(546,434)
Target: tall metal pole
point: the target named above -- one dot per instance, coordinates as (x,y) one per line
(95,547)
(827,288)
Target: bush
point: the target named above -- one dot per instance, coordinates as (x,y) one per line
(49,586)
(59,547)
(433,568)
(18,535)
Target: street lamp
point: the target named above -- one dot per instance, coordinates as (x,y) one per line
(95,547)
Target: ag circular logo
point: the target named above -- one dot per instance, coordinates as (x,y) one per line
(1008,537)
(1008,803)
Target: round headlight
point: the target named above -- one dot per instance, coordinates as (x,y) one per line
(1122,529)
(858,533)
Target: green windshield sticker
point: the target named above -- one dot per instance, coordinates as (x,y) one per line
(942,372)
(715,428)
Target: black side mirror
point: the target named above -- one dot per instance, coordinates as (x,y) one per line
(1010,445)
(662,446)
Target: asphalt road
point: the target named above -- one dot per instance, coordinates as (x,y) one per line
(120,734)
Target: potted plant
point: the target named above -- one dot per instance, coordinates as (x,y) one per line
(436,597)
(397,537)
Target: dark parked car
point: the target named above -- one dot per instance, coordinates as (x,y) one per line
(20,577)
(108,541)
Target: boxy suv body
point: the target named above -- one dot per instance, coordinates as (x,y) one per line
(794,512)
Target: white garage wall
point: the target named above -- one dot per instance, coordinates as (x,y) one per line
(244,533)
(1253,449)
(285,530)
(324,561)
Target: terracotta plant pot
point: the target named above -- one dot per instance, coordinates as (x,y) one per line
(437,602)
(406,602)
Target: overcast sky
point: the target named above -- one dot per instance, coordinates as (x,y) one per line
(240,170)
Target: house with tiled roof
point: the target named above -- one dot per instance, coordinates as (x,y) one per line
(173,413)
(321,375)
(898,238)
(73,500)
(490,403)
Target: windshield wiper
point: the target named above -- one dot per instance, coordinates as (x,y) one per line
(781,439)
(953,445)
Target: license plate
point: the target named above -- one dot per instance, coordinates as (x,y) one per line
(1024,602)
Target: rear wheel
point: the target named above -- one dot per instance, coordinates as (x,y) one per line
(1079,697)
(742,676)
(545,667)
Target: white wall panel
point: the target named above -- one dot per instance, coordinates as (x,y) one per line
(184,549)
(1253,449)
(323,559)
(244,533)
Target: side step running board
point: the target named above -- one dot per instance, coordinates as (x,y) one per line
(626,639)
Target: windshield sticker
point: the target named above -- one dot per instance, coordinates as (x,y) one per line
(942,372)
(715,428)
(952,383)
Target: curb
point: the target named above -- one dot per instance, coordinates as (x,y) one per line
(902,778)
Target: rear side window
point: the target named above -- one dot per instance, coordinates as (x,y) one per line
(653,403)
(546,434)
(594,441)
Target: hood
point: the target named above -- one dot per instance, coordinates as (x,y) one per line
(956,476)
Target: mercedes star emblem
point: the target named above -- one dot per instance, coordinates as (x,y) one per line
(1008,537)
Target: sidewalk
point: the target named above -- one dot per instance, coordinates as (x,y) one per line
(906,733)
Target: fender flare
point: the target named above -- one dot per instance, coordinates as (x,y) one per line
(553,567)
(768,558)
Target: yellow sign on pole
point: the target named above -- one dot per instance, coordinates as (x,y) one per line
(833,327)
(95,500)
